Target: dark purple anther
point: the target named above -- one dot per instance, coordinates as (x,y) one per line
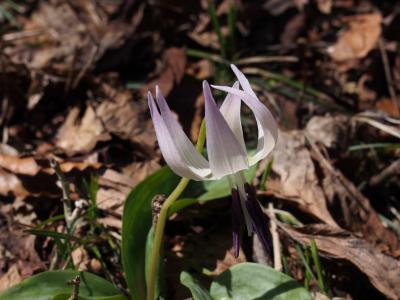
(259,219)
(237,220)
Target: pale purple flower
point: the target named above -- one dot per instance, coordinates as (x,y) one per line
(226,149)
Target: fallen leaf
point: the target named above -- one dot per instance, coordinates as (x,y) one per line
(383,271)
(125,117)
(325,6)
(330,131)
(278,7)
(387,106)
(359,39)
(357,212)
(12,277)
(113,111)
(80,259)
(67,36)
(294,177)
(10,184)
(114,187)
(172,70)
(213,248)
(19,165)
(81,136)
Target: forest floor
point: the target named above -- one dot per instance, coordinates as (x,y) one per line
(73,83)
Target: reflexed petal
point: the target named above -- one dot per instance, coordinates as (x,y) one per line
(176,148)
(225,153)
(243,81)
(230,109)
(266,125)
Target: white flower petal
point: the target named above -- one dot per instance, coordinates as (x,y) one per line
(266,125)
(225,154)
(243,81)
(230,109)
(176,148)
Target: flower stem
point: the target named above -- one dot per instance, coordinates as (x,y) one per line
(159,232)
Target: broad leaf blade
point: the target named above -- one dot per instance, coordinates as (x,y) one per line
(136,223)
(255,281)
(48,285)
(198,292)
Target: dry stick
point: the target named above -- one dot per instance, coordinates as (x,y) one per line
(86,67)
(392,169)
(67,203)
(389,80)
(275,239)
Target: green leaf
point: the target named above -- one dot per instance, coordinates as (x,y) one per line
(149,249)
(198,292)
(52,284)
(255,281)
(136,223)
(68,297)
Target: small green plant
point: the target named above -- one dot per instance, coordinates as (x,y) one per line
(313,271)
(7,10)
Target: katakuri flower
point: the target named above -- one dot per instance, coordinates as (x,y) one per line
(226,149)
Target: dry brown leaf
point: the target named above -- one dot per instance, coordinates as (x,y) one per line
(115,187)
(359,39)
(294,177)
(211,250)
(358,214)
(12,277)
(138,171)
(383,271)
(126,118)
(81,136)
(386,105)
(30,176)
(325,6)
(278,7)
(330,131)
(10,184)
(67,36)
(172,70)
(15,164)
(80,259)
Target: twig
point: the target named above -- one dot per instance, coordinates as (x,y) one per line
(75,292)
(266,59)
(275,239)
(86,67)
(392,169)
(388,75)
(67,204)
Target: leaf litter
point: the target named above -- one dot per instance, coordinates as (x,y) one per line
(74,77)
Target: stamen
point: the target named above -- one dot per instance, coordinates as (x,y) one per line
(240,183)
(237,219)
(260,220)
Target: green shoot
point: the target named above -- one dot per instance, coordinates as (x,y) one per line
(317,264)
(305,259)
(217,27)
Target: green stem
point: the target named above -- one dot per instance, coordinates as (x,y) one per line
(217,27)
(317,263)
(159,233)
